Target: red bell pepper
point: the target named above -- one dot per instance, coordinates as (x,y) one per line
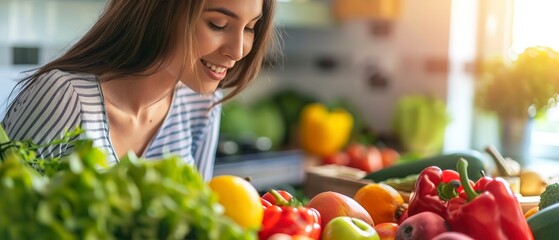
(270,197)
(432,190)
(290,218)
(488,210)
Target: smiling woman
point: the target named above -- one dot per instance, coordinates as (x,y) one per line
(147,79)
(225,35)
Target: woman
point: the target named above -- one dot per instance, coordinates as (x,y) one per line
(146,78)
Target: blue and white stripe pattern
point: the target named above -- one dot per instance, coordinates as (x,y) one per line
(60,101)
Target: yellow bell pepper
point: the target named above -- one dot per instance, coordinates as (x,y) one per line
(323,132)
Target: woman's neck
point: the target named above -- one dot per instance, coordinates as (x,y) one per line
(135,95)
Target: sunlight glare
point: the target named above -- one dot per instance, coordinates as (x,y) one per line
(535,24)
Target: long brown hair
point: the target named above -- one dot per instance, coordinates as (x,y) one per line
(133,37)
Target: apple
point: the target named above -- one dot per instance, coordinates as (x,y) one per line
(387,230)
(339,158)
(332,204)
(389,156)
(349,228)
(366,158)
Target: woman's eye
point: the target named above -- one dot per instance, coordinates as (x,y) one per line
(215,26)
(250,30)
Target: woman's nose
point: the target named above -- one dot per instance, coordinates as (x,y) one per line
(234,47)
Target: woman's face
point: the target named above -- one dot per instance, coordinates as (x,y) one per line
(224,35)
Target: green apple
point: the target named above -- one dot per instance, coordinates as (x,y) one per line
(345,227)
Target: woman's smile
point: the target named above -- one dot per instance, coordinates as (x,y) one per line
(215,72)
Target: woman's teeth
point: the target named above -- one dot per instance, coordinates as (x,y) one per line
(215,68)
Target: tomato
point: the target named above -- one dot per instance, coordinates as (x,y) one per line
(339,158)
(389,156)
(270,198)
(387,230)
(366,158)
(240,200)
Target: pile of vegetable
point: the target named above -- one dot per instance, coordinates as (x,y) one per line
(484,209)
(79,197)
(75,197)
(542,219)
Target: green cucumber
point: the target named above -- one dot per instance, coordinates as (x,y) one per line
(544,223)
(443,161)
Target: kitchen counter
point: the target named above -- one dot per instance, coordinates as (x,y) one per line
(546,167)
(266,170)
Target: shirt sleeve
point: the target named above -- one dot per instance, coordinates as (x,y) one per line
(206,151)
(44,112)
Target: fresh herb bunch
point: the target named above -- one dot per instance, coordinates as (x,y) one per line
(510,88)
(26,151)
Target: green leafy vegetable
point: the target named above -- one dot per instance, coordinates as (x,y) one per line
(26,151)
(135,199)
(550,196)
(420,122)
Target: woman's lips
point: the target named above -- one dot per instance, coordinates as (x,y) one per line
(215,72)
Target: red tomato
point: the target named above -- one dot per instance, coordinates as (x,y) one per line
(387,230)
(366,158)
(339,158)
(389,156)
(270,198)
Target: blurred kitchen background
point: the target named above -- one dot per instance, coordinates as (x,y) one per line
(365,56)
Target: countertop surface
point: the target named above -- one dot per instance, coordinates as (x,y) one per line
(546,167)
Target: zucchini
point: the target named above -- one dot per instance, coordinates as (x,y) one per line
(544,223)
(443,161)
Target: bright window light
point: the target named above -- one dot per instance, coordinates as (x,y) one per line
(534,25)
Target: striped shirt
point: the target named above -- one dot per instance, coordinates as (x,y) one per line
(62,101)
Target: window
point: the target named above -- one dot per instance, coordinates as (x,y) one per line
(534,23)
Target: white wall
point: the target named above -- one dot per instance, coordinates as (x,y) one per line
(49,25)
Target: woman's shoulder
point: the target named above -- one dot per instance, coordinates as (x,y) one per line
(57,78)
(60,76)
(45,108)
